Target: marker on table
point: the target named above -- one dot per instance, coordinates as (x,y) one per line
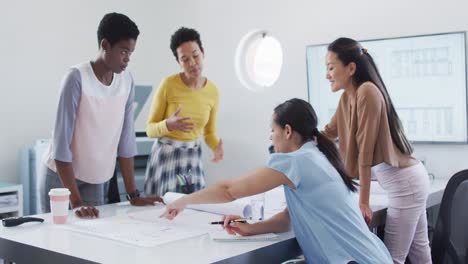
(232,221)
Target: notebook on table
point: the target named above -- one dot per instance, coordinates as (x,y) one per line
(224,236)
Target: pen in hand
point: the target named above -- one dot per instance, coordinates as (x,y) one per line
(232,221)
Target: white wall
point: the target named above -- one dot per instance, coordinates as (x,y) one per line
(40,39)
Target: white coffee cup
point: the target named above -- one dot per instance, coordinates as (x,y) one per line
(59,202)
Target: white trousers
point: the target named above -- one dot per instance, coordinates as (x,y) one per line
(406,222)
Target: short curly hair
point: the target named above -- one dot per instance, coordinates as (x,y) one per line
(115,27)
(183,35)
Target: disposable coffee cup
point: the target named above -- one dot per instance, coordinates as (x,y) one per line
(59,201)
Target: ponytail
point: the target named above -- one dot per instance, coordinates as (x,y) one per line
(396,127)
(300,115)
(328,148)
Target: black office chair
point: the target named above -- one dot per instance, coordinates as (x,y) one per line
(450,241)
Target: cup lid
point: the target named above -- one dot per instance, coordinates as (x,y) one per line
(59,191)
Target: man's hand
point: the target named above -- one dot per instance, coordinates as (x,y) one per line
(142,201)
(87,212)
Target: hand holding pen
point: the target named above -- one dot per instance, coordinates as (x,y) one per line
(234,224)
(240,220)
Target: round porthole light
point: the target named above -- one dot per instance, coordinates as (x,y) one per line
(258,60)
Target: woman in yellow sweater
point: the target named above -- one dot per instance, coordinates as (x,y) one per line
(184,107)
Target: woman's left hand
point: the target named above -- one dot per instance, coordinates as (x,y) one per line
(218,152)
(173,209)
(366,213)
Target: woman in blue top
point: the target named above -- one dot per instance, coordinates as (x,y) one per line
(322,209)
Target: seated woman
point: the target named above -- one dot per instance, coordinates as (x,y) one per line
(322,208)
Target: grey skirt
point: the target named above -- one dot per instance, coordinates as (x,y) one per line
(174,166)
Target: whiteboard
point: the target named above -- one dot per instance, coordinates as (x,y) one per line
(424,75)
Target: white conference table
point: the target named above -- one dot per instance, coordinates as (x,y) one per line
(47,243)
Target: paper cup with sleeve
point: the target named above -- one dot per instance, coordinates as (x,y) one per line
(59,202)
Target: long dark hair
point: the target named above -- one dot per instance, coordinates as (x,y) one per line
(349,50)
(300,115)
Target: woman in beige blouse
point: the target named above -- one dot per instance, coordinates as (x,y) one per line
(372,141)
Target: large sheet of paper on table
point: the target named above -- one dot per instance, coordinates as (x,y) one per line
(145,228)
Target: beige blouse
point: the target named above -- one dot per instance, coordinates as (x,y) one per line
(362,127)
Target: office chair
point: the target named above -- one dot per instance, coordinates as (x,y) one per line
(450,240)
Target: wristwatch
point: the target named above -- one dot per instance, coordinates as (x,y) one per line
(132,195)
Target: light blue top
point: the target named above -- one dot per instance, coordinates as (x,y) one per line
(325,215)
